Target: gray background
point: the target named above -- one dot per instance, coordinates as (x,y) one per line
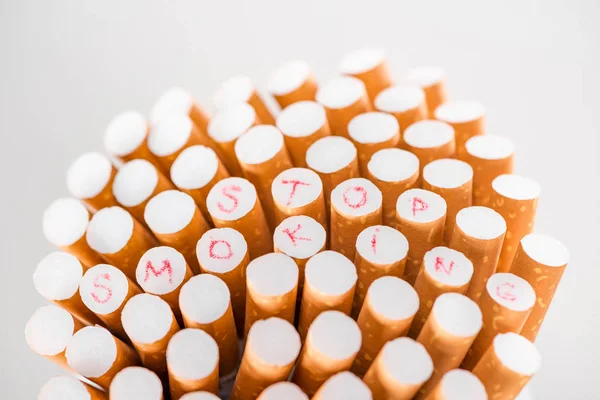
(66,67)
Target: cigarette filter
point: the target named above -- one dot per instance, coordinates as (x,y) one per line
(453,180)
(330,284)
(433,82)
(399,370)
(283,390)
(507,366)
(302,124)
(193,363)
(380,251)
(478,234)
(515,198)
(388,311)
(292,82)
(451,328)
(224,253)
(90,178)
(233,203)
(48,332)
(271,288)
(466,117)
(490,156)
(136,383)
(405,102)
(342,386)
(443,270)
(119,238)
(205,304)
(199,396)
(262,155)
(355,205)
(69,387)
(299,191)
(97,355)
(505,306)
(105,290)
(344,98)
(541,261)
(429,140)
(371,132)
(271,351)
(64,223)
(393,171)
(371,67)
(175,221)
(458,384)
(332,342)
(420,217)
(241,89)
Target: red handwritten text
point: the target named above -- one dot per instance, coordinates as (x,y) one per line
(505,291)
(292,235)
(374,241)
(418,205)
(235,201)
(165,267)
(107,294)
(212,253)
(295,183)
(355,204)
(441,267)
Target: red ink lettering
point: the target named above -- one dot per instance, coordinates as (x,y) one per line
(166,266)
(215,255)
(505,291)
(418,205)
(441,267)
(96,284)
(363,198)
(226,193)
(374,241)
(295,184)
(293,237)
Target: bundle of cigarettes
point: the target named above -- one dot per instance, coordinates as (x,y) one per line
(368,241)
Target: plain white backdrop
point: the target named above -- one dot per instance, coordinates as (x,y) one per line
(66,67)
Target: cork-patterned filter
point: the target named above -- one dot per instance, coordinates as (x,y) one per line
(240,89)
(371,67)
(429,140)
(405,102)
(179,101)
(433,82)
(61,387)
(292,82)
(89,179)
(466,117)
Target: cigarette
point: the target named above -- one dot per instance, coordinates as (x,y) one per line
(393,171)
(150,325)
(458,384)
(331,345)
(388,311)
(119,238)
(193,363)
(199,396)
(64,224)
(429,140)
(48,332)
(233,203)
(240,89)
(343,97)
(283,390)
(433,82)
(380,250)
(335,160)
(90,178)
(453,180)
(299,191)
(292,82)
(271,288)
(271,350)
(399,370)
(195,171)
(176,221)
(515,198)
(541,261)
(69,387)
(478,234)
(205,304)
(466,117)
(302,124)
(57,278)
(443,270)
(355,205)
(226,127)
(508,365)
(490,156)
(371,67)
(505,305)
(105,290)
(330,284)
(136,383)
(405,102)
(371,132)
(420,217)
(262,155)
(135,183)
(342,386)
(224,253)
(299,237)
(98,356)
(451,328)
